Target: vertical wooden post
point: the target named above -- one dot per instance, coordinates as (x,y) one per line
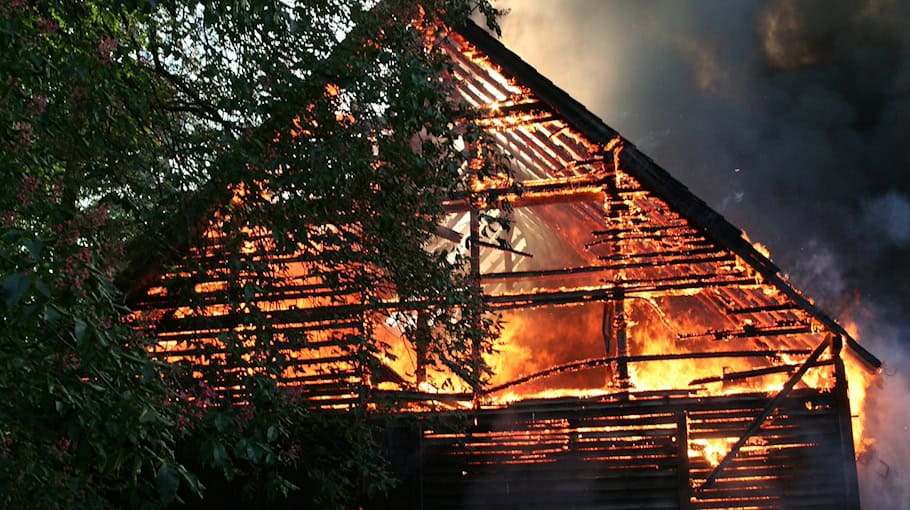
(475,274)
(421,342)
(363,363)
(420,461)
(606,328)
(682,460)
(845,427)
(617,209)
(619,331)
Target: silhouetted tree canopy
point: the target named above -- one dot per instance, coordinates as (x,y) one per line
(125,123)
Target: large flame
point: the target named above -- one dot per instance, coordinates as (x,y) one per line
(645,293)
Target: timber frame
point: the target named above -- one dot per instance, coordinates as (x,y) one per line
(634,240)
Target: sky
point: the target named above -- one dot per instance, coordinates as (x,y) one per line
(790,118)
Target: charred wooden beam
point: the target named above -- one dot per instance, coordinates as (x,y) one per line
(684,487)
(583,183)
(707,249)
(421,345)
(606,361)
(510,108)
(587,188)
(606,329)
(340,312)
(262,299)
(187,336)
(769,408)
(845,429)
(693,239)
(502,119)
(506,249)
(672,261)
(509,275)
(544,273)
(208,347)
(780,307)
(350,377)
(448,234)
(634,288)
(545,154)
(424,396)
(533,199)
(750,331)
(758,372)
(619,336)
(508,261)
(657,229)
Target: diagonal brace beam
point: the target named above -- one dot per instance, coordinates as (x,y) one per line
(770,408)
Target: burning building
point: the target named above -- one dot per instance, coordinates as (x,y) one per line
(651,356)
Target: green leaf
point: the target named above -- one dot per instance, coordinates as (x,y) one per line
(148,415)
(42,287)
(148,372)
(192,482)
(167,482)
(12,234)
(14,287)
(219,455)
(34,247)
(222,421)
(27,313)
(79,329)
(252,452)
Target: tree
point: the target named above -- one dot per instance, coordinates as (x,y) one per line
(119,117)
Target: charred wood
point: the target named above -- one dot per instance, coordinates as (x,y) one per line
(746,374)
(769,408)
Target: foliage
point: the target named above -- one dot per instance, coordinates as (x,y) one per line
(125,124)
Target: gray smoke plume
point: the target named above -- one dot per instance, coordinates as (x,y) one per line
(791,119)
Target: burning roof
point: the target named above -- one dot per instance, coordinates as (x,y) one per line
(611,263)
(614,282)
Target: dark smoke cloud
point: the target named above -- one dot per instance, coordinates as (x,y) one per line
(791,118)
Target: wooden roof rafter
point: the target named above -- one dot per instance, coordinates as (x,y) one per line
(649,174)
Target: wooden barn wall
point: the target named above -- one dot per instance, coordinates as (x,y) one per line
(626,453)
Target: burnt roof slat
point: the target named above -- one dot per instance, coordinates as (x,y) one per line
(650,175)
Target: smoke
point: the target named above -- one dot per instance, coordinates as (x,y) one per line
(889,215)
(883,467)
(789,118)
